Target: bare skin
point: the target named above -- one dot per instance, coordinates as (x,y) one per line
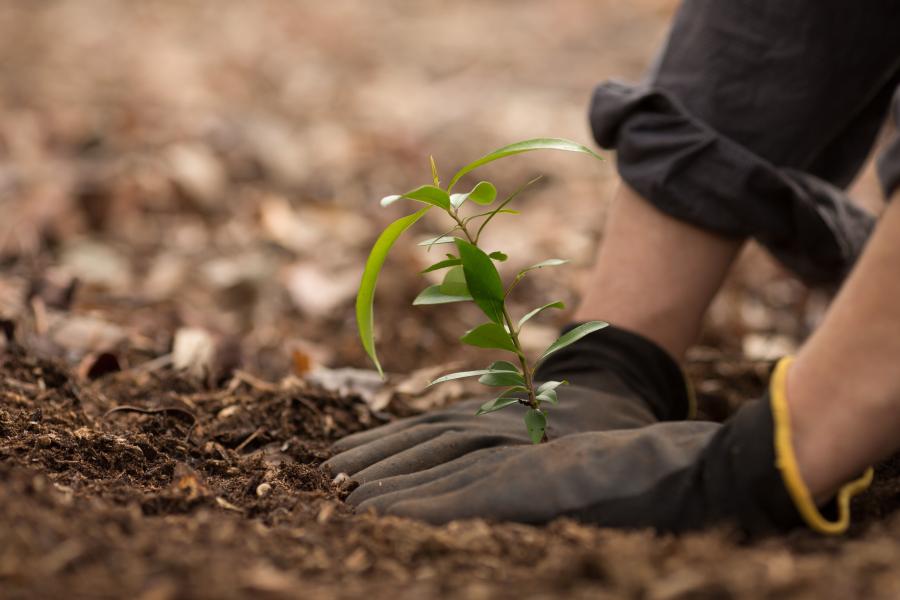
(843,389)
(656,276)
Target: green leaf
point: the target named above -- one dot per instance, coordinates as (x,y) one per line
(536,423)
(441,239)
(498,256)
(516,388)
(550,262)
(548,396)
(450,262)
(501,379)
(433,295)
(550,385)
(434,172)
(454,283)
(458,375)
(489,335)
(572,336)
(495,404)
(428,194)
(503,365)
(483,280)
(491,213)
(524,146)
(535,312)
(483,193)
(365,297)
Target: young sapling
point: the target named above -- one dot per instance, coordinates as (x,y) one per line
(471,275)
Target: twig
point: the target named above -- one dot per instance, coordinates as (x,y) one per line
(249,439)
(152,365)
(255,382)
(155,411)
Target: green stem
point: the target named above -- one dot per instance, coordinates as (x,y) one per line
(455,215)
(526,372)
(508,199)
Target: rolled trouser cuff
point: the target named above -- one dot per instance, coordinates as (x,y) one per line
(786,462)
(691,172)
(888,165)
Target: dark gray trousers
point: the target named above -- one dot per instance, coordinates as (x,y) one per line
(755,118)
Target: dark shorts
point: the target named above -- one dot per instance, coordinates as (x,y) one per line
(756,117)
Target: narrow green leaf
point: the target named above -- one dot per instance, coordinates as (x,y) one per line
(365,297)
(550,262)
(483,193)
(433,295)
(441,239)
(454,283)
(550,385)
(450,262)
(434,172)
(536,423)
(501,379)
(572,336)
(491,213)
(489,335)
(503,365)
(524,146)
(458,375)
(483,280)
(498,256)
(428,194)
(495,404)
(536,311)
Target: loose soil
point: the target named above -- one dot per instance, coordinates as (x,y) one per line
(208,171)
(219,496)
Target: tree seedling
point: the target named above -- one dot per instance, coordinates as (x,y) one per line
(471,275)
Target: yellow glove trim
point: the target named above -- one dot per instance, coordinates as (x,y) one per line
(692,396)
(786,462)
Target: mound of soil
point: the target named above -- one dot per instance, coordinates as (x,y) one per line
(146,484)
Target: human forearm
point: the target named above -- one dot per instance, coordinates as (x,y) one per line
(655,275)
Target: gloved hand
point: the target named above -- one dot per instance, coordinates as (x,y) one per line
(617,380)
(672,476)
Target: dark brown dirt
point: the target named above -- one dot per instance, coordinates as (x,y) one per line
(220,497)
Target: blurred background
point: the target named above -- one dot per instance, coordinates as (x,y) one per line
(216,165)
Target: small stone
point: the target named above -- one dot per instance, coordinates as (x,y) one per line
(325,514)
(228,411)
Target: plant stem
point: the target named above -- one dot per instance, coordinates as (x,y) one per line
(508,199)
(526,373)
(455,215)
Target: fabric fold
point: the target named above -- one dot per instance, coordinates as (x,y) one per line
(691,172)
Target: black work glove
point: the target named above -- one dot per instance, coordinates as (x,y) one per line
(672,476)
(617,380)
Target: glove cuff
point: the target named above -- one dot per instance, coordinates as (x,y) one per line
(644,367)
(786,463)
